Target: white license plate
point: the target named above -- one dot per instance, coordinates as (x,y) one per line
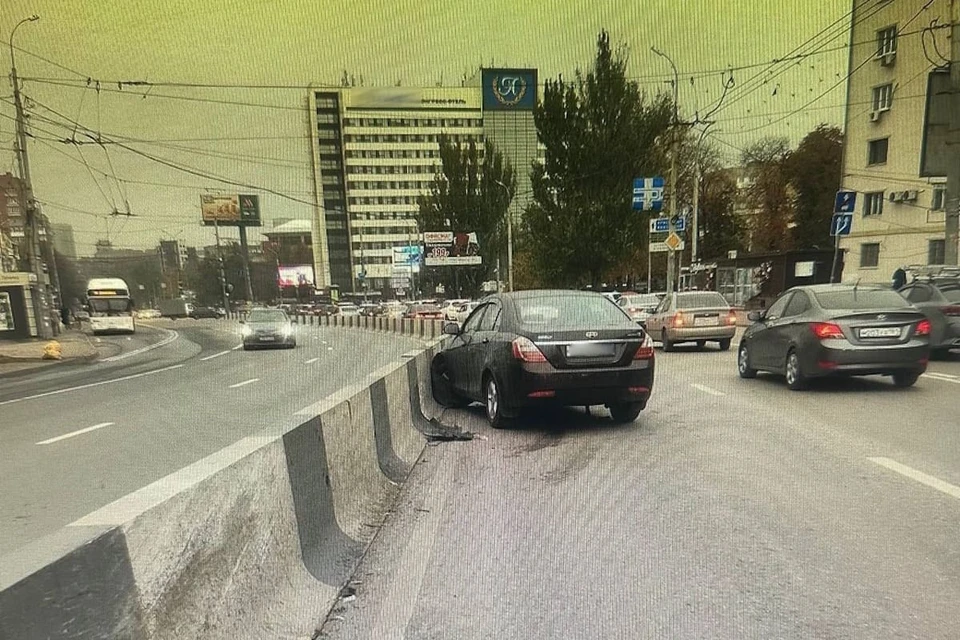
(880,332)
(711,321)
(590,350)
(267,339)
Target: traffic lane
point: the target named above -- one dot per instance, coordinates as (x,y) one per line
(708,518)
(917,425)
(164,422)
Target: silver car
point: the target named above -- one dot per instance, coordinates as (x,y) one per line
(693,316)
(639,306)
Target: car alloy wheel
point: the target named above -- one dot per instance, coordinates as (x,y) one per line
(493,403)
(743,363)
(795,379)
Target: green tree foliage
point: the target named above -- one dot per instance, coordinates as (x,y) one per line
(600,131)
(465,197)
(770,195)
(722,230)
(814,171)
(72,284)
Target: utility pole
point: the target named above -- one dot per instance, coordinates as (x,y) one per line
(675,139)
(952,218)
(509,238)
(223,277)
(27,202)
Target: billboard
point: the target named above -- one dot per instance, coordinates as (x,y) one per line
(237,210)
(407,259)
(295,275)
(509,89)
(449,249)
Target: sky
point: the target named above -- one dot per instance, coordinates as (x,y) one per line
(258,136)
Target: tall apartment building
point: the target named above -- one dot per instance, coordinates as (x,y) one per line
(13,250)
(899,218)
(376,151)
(63,240)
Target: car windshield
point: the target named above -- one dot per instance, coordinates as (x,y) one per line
(109,305)
(703,300)
(859,299)
(949,288)
(266,315)
(558,312)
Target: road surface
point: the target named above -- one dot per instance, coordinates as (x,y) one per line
(731,509)
(75,438)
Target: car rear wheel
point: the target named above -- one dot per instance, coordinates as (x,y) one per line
(442,387)
(494,403)
(626,412)
(724,344)
(743,363)
(795,379)
(904,379)
(701,344)
(667,345)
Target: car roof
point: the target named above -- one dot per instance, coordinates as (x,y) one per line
(540,293)
(838,287)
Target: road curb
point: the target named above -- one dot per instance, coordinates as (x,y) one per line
(42,364)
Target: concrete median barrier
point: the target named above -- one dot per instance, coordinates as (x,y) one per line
(253,541)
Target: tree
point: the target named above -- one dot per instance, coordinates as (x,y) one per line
(814,170)
(600,131)
(770,195)
(471,194)
(72,285)
(722,230)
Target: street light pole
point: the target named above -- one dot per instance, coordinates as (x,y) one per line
(675,145)
(509,239)
(27,202)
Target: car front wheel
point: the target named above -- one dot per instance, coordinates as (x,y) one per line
(743,363)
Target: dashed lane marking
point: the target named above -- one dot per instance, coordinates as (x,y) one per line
(76,433)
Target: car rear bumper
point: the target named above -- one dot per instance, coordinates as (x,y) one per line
(543,384)
(865,361)
(689,334)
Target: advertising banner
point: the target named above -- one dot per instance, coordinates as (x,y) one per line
(407,259)
(449,249)
(295,275)
(509,89)
(230,210)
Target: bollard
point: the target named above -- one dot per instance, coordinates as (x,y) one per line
(421,325)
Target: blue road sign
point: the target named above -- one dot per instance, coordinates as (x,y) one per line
(846,202)
(648,194)
(660,225)
(840,224)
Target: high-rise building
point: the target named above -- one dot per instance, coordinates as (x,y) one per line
(13,249)
(63,240)
(376,152)
(899,216)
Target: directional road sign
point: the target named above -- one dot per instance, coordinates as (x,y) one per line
(673,241)
(661,247)
(840,224)
(846,202)
(648,194)
(660,225)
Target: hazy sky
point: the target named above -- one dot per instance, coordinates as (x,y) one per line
(417,42)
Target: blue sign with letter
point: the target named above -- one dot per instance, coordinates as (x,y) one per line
(846,202)
(509,89)
(660,225)
(648,194)
(841,224)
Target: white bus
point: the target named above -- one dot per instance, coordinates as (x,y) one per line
(111,309)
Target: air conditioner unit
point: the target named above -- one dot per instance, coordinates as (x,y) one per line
(887,59)
(874,116)
(910,196)
(896,196)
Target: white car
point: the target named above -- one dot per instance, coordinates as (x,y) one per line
(349,310)
(452,309)
(465,310)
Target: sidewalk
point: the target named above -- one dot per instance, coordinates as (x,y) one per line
(18,356)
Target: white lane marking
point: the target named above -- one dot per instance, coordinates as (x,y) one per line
(921,477)
(76,433)
(940,377)
(92,384)
(940,374)
(133,504)
(311,361)
(216,355)
(171,336)
(239,346)
(244,383)
(707,389)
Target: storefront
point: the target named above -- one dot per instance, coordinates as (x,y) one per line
(16,305)
(754,281)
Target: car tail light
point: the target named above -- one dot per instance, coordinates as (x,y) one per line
(546,393)
(638,390)
(525,351)
(645,352)
(826,330)
(732,318)
(923,328)
(678,320)
(952,310)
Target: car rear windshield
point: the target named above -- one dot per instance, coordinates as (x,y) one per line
(950,289)
(267,316)
(701,300)
(557,312)
(861,299)
(640,301)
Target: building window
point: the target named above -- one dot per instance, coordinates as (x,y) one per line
(887,41)
(936,250)
(883,97)
(869,255)
(877,151)
(873,203)
(938,198)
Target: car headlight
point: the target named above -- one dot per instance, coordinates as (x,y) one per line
(245,330)
(287,331)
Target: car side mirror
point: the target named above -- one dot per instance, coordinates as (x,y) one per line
(451,329)
(755,316)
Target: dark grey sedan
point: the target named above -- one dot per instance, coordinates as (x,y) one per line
(830,330)
(938,298)
(268,328)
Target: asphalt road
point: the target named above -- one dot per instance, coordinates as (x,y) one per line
(75,438)
(731,509)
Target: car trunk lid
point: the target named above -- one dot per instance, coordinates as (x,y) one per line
(588,347)
(878,327)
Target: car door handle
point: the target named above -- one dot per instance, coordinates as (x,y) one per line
(485,340)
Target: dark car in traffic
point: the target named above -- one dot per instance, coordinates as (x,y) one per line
(836,330)
(199,313)
(267,328)
(938,298)
(529,348)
